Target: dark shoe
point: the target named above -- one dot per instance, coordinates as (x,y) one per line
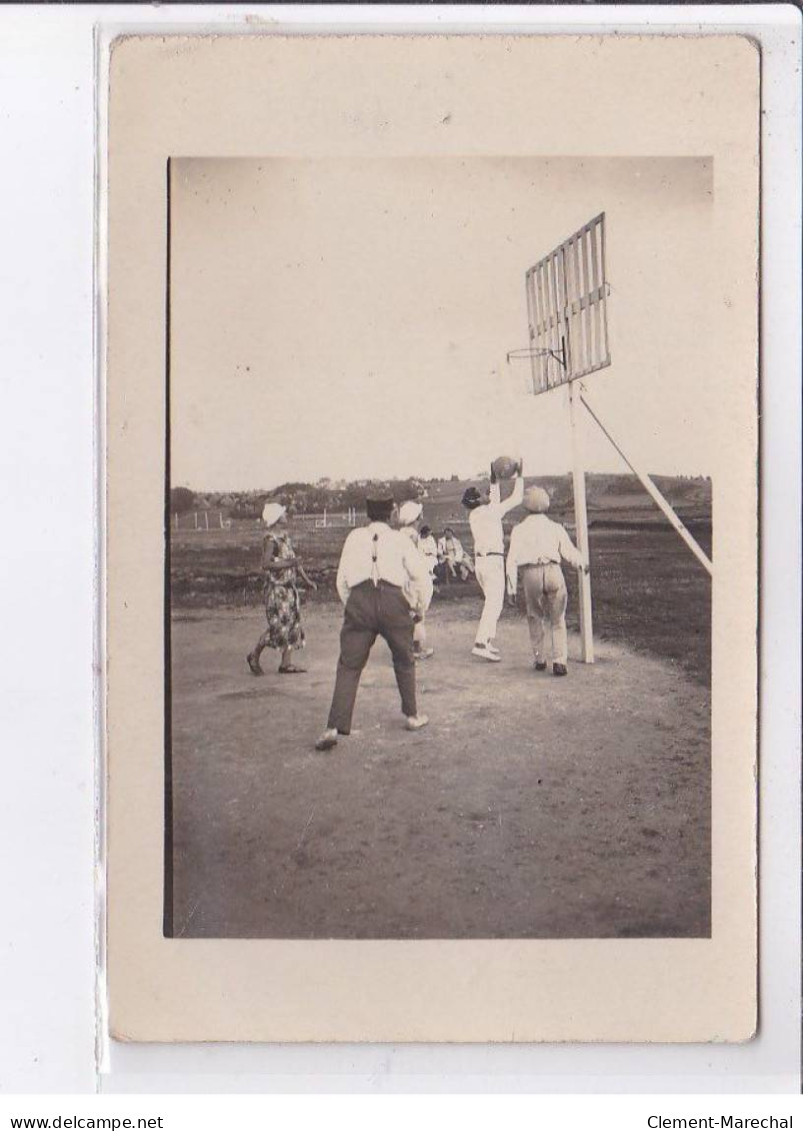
(559,669)
(291,669)
(540,665)
(253,663)
(327,740)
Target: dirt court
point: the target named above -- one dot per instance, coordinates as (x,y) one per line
(531,807)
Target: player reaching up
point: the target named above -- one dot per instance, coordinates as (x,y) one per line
(485,519)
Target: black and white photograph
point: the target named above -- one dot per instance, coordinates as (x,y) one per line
(439,544)
(397,473)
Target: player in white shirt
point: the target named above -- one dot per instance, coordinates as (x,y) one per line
(383,582)
(452,555)
(409,518)
(485,520)
(537,547)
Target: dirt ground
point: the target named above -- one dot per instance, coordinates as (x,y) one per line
(531,807)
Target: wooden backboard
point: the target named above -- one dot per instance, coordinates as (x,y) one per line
(567,295)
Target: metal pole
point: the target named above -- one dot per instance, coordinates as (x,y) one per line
(581,518)
(654,493)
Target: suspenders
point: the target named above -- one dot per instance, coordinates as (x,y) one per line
(374,556)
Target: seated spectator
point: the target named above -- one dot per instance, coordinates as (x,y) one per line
(428,547)
(456,562)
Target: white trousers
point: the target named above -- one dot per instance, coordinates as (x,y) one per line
(490,573)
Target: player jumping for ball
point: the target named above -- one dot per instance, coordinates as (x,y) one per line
(485,519)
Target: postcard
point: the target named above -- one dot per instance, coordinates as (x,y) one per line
(431,538)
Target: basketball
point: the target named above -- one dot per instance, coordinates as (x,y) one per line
(504,467)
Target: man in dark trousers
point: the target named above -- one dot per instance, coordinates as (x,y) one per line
(383,582)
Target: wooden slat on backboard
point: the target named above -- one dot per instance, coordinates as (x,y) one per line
(596,280)
(541,337)
(587,287)
(581,358)
(606,350)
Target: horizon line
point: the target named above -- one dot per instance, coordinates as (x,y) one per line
(350,482)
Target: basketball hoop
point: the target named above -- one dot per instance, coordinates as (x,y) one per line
(567,313)
(567,316)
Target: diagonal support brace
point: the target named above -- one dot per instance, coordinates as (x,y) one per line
(653,491)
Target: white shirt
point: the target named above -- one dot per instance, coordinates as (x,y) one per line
(536,541)
(486,521)
(377,553)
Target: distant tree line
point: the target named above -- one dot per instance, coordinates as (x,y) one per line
(298,497)
(314,498)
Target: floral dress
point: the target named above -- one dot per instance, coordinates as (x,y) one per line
(282,606)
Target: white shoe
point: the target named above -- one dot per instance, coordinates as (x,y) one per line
(492,648)
(424,654)
(327,740)
(485,652)
(415,722)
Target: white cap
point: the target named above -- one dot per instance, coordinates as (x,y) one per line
(409,512)
(272,512)
(536,500)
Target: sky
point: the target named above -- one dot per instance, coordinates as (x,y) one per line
(351,318)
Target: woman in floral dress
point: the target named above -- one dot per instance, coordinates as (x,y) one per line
(282,607)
